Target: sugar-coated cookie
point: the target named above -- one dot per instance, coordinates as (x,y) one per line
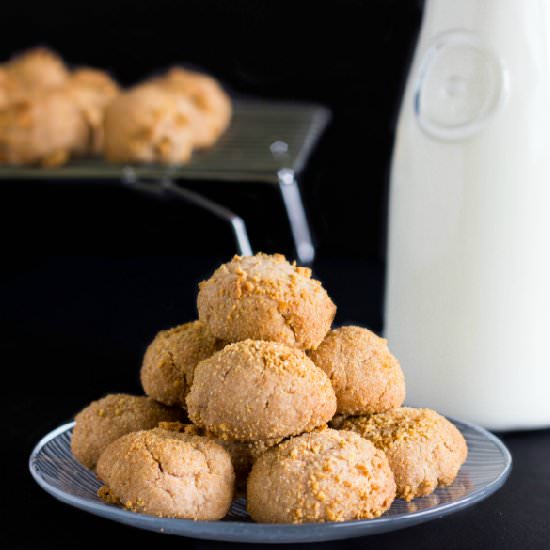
(170,360)
(424,449)
(256,390)
(326,475)
(168,474)
(264,297)
(366,376)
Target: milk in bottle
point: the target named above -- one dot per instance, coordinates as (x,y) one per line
(468,284)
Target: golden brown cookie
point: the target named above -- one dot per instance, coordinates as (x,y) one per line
(256,390)
(264,297)
(213,104)
(326,475)
(423,448)
(41,128)
(92,90)
(168,474)
(150,124)
(105,420)
(171,358)
(366,377)
(38,68)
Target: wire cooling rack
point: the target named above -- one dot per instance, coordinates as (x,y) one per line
(267,142)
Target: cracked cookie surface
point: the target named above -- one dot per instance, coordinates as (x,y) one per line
(243,453)
(256,390)
(264,297)
(168,474)
(105,420)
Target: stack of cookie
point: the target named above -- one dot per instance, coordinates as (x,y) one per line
(50,114)
(260,376)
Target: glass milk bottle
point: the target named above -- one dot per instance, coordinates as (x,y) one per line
(468,283)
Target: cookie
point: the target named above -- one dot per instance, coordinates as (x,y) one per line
(256,390)
(365,375)
(43,128)
(105,420)
(264,297)
(149,124)
(424,449)
(213,104)
(168,474)
(170,360)
(38,68)
(326,475)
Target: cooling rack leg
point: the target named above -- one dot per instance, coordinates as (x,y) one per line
(296,215)
(222,212)
(166,186)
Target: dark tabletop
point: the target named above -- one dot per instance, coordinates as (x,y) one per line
(75,328)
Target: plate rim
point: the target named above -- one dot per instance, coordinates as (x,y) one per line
(286,531)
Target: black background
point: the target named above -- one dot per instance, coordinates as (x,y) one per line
(75,327)
(349,55)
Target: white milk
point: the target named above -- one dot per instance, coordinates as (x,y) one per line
(468,286)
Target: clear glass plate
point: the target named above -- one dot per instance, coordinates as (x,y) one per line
(56,471)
